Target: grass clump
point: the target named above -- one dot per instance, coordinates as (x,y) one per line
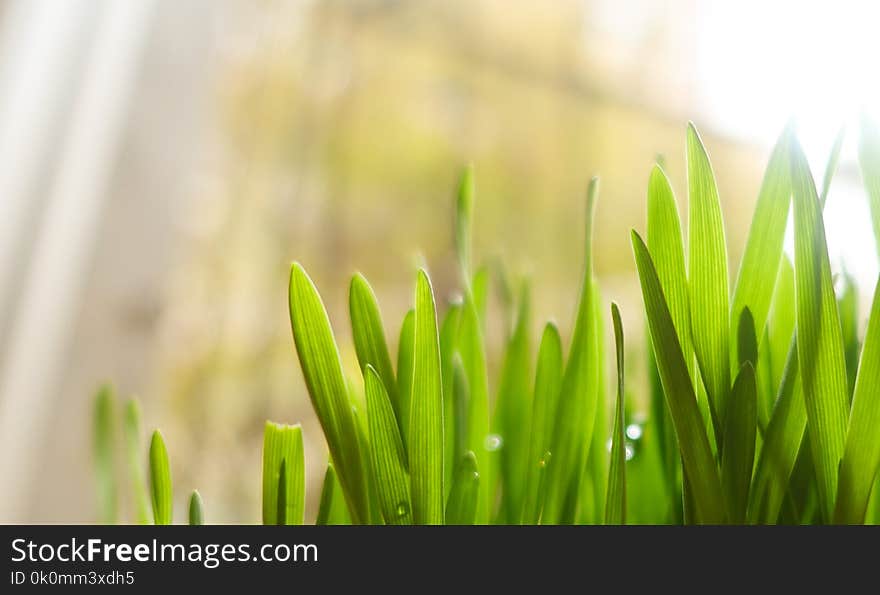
(763,401)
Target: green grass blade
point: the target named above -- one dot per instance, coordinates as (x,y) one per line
(747,342)
(283,447)
(388,454)
(548,379)
(405,352)
(512,410)
(848,310)
(368,333)
(196,509)
(831,165)
(696,453)
(332,508)
(461,508)
(131,426)
(779,336)
(782,443)
(594,482)
(480,292)
(763,249)
(819,339)
(160,480)
(322,370)
(453,434)
(708,280)
(738,458)
(576,409)
(473,358)
(861,455)
(425,445)
(464,209)
(869,163)
(103,445)
(615,501)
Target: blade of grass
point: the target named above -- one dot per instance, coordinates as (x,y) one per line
(461,508)
(548,379)
(388,454)
(782,443)
(322,370)
(696,453)
(708,280)
(615,502)
(464,208)
(160,480)
(283,447)
(196,509)
(473,358)
(848,310)
(368,333)
(425,444)
(405,352)
(738,458)
(595,479)
(131,426)
(819,339)
(576,409)
(480,293)
(332,509)
(512,411)
(861,455)
(454,434)
(103,445)
(763,250)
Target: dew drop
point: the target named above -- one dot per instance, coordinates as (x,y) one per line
(402,510)
(608,444)
(493,442)
(630,451)
(633,431)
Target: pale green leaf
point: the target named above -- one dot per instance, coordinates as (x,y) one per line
(696,453)
(103,445)
(707,281)
(196,509)
(425,444)
(461,508)
(131,426)
(819,340)
(160,480)
(388,455)
(283,447)
(615,502)
(322,370)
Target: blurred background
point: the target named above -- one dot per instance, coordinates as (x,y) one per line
(163,162)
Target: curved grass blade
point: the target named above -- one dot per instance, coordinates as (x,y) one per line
(763,249)
(388,455)
(861,455)
(512,410)
(464,208)
(780,337)
(322,370)
(819,339)
(594,482)
(461,508)
(283,496)
(405,347)
(425,445)
(103,444)
(869,163)
(160,480)
(196,509)
(782,443)
(747,342)
(738,459)
(368,333)
(696,453)
(708,280)
(548,379)
(615,502)
(848,309)
(480,292)
(332,509)
(131,426)
(576,408)
(473,359)
(453,420)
